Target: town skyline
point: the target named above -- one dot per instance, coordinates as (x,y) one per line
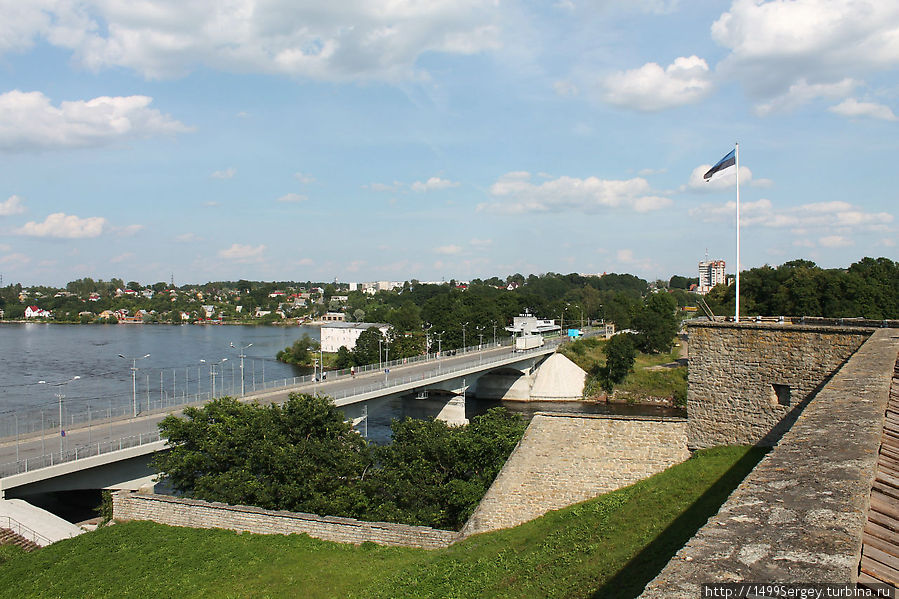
(269,141)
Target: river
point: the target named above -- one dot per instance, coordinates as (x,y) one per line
(56,353)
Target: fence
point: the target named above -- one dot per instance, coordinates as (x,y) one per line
(23,531)
(50,428)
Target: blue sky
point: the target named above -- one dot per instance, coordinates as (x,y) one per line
(276,139)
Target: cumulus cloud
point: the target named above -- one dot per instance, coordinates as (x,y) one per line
(29,121)
(352,40)
(834,241)
(243,253)
(836,217)
(122,258)
(304,178)
(128,230)
(850,107)
(65,226)
(292,198)
(228,173)
(651,88)
(12,205)
(15,259)
(515,193)
(188,238)
(775,46)
(432,184)
(803,92)
(481,243)
(726,179)
(383,186)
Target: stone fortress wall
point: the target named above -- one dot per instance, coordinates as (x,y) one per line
(747,382)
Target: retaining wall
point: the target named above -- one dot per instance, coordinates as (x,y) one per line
(175,511)
(800,514)
(747,382)
(567,458)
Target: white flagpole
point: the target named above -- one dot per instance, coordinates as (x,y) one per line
(737,164)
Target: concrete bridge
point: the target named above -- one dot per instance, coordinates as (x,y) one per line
(116,453)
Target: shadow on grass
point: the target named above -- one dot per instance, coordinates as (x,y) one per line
(646,565)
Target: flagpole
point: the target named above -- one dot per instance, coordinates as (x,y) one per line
(737,164)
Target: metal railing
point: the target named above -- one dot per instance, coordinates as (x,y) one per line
(152,435)
(23,531)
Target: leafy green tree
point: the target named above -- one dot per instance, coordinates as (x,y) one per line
(368,346)
(301,353)
(301,456)
(656,323)
(620,356)
(344,358)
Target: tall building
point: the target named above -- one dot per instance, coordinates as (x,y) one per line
(711,273)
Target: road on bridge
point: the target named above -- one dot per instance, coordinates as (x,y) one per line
(43,449)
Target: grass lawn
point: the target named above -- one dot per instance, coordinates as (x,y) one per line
(610,546)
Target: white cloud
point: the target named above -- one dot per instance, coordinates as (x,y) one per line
(351,40)
(28,121)
(12,205)
(651,88)
(850,107)
(129,230)
(778,45)
(15,259)
(839,217)
(726,179)
(448,250)
(383,186)
(304,178)
(5,247)
(432,184)
(481,243)
(122,258)
(834,241)
(516,194)
(243,253)
(802,92)
(228,173)
(188,238)
(292,198)
(63,226)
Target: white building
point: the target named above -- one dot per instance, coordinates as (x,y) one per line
(337,334)
(528,324)
(711,273)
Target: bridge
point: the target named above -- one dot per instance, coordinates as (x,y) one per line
(115,452)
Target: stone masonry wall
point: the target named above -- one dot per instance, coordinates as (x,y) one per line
(800,514)
(567,458)
(201,514)
(734,367)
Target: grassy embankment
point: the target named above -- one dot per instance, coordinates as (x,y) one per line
(642,381)
(610,546)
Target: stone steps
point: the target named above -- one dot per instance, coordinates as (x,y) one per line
(8,537)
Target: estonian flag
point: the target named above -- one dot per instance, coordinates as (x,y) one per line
(725,162)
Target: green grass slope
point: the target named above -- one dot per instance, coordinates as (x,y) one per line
(610,546)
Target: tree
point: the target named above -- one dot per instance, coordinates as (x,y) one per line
(368,347)
(344,358)
(656,323)
(620,355)
(301,456)
(301,352)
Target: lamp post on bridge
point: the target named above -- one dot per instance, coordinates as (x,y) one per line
(59,397)
(212,366)
(134,360)
(464,324)
(242,356)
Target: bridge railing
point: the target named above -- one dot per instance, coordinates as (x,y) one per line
(78,453)
(151,434)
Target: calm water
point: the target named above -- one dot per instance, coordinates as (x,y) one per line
(54,353)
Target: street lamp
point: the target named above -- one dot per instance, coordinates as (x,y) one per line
(464,324)
(134,379)
(59,397)
(242,356)
(212,366)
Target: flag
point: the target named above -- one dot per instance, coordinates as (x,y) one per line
(725,162)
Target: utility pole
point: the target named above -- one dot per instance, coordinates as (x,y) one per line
(134,360)
(242,356)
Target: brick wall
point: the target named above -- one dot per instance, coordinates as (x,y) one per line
(734,367)
(201,514)
(800,514)
(567,458)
